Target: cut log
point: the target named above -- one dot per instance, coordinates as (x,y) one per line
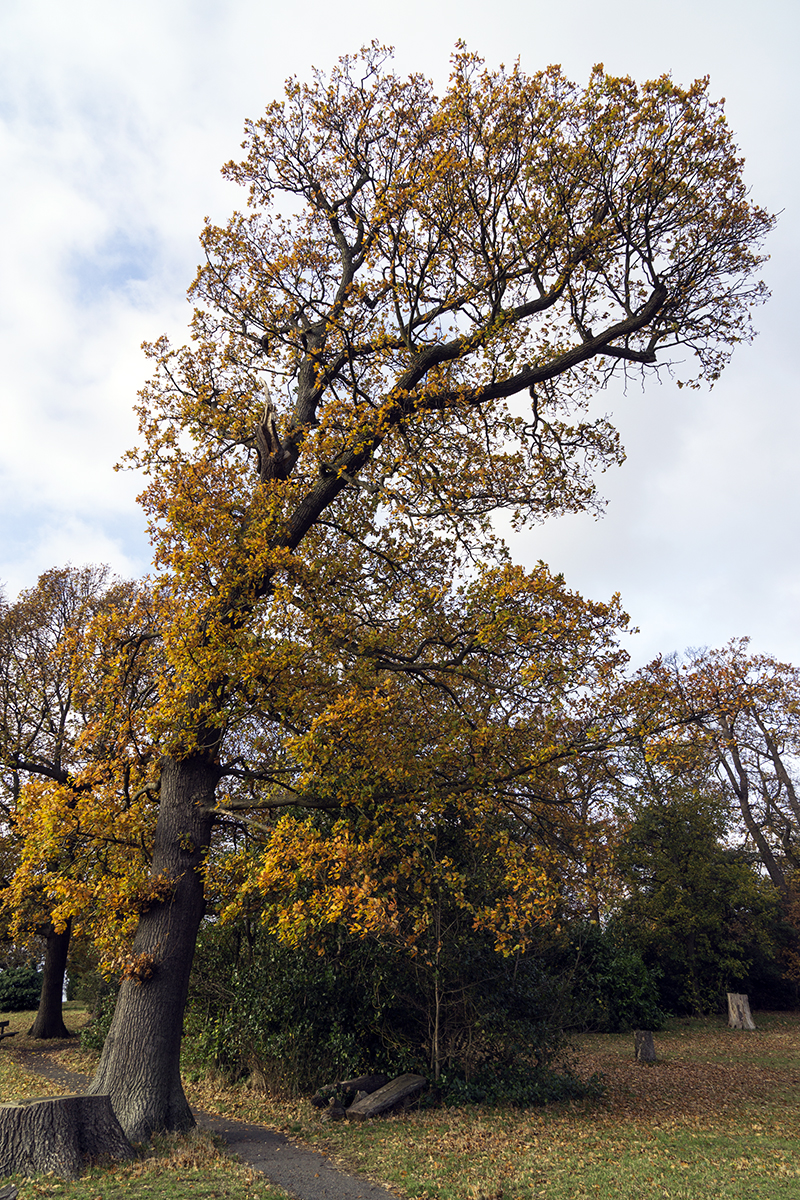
(364,1083)
(739,1011)
(387,1098)
(348,1088)
(643,1046)
(61,1134)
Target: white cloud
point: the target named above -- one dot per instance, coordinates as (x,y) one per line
(114,121)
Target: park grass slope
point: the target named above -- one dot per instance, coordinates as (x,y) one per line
(717,1116)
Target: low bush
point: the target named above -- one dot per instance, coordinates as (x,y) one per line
(516,1084)
(20,989)
(290,1018)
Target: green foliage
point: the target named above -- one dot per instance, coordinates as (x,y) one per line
(293,1018)
(84,980)
(287,1017)
(516,1084)
(696,909)
(91,988)
(772,981)
(94,1034)
(612,988)
(20,989)
(501,1021)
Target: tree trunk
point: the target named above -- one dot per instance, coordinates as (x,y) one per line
(59,1134)
(740,783)
(643,1045)
(739,1016)
(49,1022)
(140,1065)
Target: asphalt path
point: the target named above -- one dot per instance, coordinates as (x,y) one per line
(305,1174)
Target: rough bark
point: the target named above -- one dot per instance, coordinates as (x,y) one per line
(643,1046)
(49,1022)
(348,1088)
(140,1065)
(739,1016)
(61,1134)
(387,1098)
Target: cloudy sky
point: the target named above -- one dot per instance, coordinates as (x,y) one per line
(114,121)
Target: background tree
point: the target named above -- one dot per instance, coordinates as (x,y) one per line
(707,775)
(39,728)
(695,907)
(753,731)
(397,341)
(738,716)
(67,811)
(742,712)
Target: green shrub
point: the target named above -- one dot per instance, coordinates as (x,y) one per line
(292,1018)
(91,988)
(516,1084)
(20,989)
(613,988)
(94,1034)
(289,1018)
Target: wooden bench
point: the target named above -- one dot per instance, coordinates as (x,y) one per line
(3,1027)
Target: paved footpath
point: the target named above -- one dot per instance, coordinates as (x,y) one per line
(305,1174)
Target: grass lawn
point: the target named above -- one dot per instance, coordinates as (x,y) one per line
(717,1117)
(186,1168)
(172,1168)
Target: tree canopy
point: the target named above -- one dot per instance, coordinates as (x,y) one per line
(399,338)
(75,821)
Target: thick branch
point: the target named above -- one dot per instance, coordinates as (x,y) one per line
(503,388)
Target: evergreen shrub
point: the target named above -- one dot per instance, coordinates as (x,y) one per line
(613,989)
(94,1034)
(20,989)
(291,1018)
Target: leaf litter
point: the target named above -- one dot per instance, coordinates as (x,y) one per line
(717,1114)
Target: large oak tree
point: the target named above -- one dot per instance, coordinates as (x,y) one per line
(398,339)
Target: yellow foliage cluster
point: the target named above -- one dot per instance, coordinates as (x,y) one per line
(397,340)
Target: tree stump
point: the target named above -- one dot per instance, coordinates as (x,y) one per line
(739,1011)
(643,1047)
(59,1134)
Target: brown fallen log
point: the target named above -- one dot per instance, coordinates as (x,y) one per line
(348,1088)
(61,1134)
(387,1098)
